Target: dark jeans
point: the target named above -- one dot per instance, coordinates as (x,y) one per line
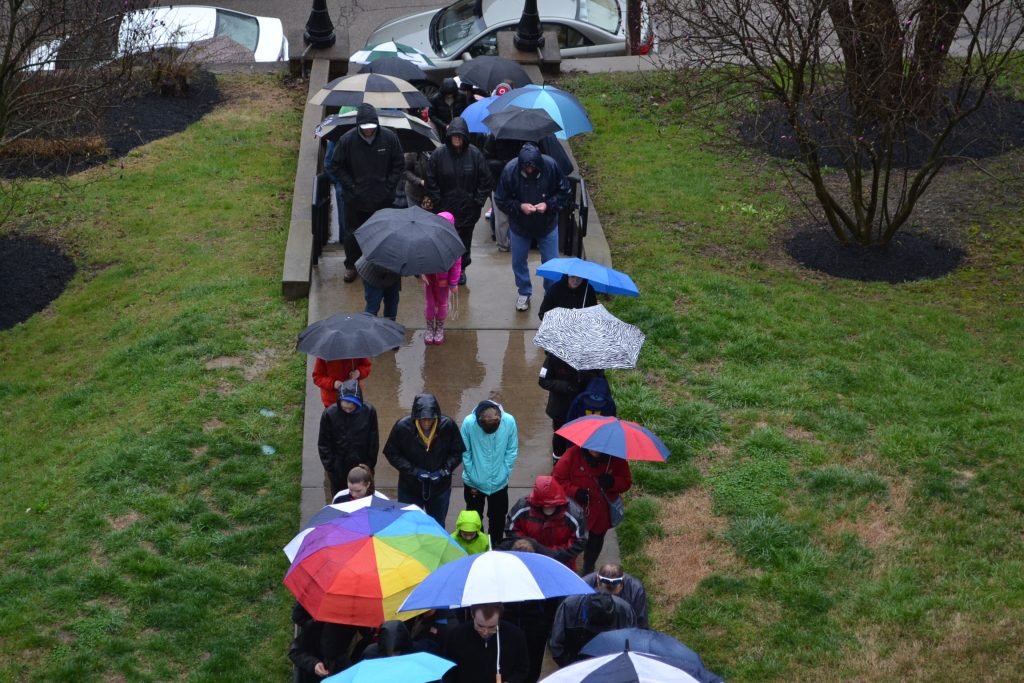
(497,508)
(595,542)
(374,296)
(466,233)
(559,444)
(436,506)
(354,218)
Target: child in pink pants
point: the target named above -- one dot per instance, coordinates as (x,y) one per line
(435,292)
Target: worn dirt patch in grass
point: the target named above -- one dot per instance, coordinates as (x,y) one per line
(691,548)
(261,363)
(880,524)
(213,424)
(123,521)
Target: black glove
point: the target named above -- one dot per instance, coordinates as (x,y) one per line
(605,481)
(582,497)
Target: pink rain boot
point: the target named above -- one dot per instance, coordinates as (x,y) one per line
(428,334)
(439,333)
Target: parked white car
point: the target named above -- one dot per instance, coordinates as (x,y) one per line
(178,26)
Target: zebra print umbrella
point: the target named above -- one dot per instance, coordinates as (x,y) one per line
(386,92)
(589,338)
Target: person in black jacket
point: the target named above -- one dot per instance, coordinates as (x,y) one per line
(305,651)
(459,181)
(569,292)
(531,191)
(563,383)
(349,435)
(446,104)
(368,162)
(425,447)
(474,646)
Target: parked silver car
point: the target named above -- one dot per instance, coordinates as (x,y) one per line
(585,28)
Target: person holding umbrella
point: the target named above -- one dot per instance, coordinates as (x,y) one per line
(593,480)
(348,435)
(569,292)
(368,162)
(487,648)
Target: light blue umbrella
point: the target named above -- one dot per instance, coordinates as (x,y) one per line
(563,107)
(419,667)
(475,114)
(602,278)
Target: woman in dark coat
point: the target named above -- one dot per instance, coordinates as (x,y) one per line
(569,292)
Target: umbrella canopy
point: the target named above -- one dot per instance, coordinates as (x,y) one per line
(616,437)
(488,72)
(394,66)
(602,278)
(419,667)
(358,567)
(475,114)
(563,107)
(652,643)
(355,335)
(386,92)
(391,49)
(329,512)
(409,241)
(625,667)
(516,123)
(589,338)
(495,576)
(416,135)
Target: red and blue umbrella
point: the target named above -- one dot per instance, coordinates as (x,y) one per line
(619,438)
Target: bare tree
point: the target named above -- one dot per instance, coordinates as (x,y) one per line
(881,85)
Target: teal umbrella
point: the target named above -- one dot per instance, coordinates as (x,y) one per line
(419,667)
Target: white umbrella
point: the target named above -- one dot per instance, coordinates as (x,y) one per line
(625,667)
(589,338)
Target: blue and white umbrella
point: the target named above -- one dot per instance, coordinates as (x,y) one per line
(495,576)
(652,643)
(563,107)
(625,667)
(602,278)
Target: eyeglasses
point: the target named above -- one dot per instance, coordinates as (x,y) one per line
(609,581)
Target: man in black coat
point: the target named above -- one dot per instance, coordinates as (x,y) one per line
(474,645)
(368,162)
(349,435)
(446,104)
(425,447)
(459,181)
(531,191)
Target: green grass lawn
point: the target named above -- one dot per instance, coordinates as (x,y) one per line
(141,521)
(860,444)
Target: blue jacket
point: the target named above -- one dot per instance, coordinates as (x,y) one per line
(488,460)
(516,187)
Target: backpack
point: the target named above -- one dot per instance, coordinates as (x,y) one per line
(596,399)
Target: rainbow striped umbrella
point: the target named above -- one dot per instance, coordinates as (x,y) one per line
(358,567)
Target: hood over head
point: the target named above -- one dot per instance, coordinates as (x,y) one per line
(366,115)
(599,612)
(425,406)
(486,405)
(394,638)
(469,520)
(530,155)
(547,492)
(350,392)
(449,87)
(458,126)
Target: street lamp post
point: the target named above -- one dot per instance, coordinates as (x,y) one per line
(319,32)
(528,37)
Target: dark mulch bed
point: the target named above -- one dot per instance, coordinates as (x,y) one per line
(141,119)
(909,256)
(32,274)
(995,128)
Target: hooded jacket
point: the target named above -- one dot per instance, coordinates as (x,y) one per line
(368,171)
(563,383)
(574,472)
(458,181)
(408,454)
(515,187)
(469,520)
(581,617)
(441,113)
(326,372)
(563,534)
(489,458)
(633,592)
(348,439)
(560,295)
(393,639)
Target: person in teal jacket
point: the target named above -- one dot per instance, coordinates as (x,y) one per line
(469,533)
(492,445)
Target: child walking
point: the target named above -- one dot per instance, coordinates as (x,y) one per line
(436,287)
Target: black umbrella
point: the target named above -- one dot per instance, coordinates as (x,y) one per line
(416,135)
(394,66)
(357,335)
(488,72)
(516,123)
(381,91)
(652,643)
(409,241)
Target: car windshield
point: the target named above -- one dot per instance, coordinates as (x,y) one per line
(601,13)
(242,29)
(454,23)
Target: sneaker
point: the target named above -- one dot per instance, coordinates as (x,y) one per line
(523,302)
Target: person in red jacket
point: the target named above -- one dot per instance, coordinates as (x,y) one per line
(547,516)
(329,374)
(592,479)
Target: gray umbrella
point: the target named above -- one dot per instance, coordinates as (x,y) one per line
(409,241)
(358,335)
(589,338)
